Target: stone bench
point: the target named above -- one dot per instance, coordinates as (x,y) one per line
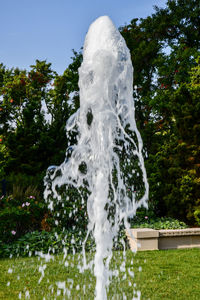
(142,239)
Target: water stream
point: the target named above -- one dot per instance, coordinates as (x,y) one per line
(107,160)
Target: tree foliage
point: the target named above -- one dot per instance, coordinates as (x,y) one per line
(34,107)
(164,49)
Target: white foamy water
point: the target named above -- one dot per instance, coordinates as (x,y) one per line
(109,145)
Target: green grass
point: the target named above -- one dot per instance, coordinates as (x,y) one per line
(171,274)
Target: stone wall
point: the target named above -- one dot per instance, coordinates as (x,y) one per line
(142,239)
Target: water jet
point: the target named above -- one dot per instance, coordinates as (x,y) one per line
(109,146)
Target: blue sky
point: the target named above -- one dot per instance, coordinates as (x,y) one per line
(50,29)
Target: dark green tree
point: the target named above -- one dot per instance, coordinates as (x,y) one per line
(163,48)
(34,107)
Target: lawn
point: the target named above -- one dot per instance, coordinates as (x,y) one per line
(168,274)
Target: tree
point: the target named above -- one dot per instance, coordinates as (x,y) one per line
(22,118)
(163,48)
(34,107)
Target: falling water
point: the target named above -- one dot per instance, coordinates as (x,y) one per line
(107,159)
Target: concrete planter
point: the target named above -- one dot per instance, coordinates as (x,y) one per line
(142,239)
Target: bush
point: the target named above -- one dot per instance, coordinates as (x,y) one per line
(20,216)
(158,223)
(147,219)
(70,211)
(197,214)
(46,242)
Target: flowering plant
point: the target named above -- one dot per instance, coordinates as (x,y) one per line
(19,216)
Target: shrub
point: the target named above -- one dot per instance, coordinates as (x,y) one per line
(197,214)
(158,223)
(70,211)
(46,242)
(19,216)
(148,219)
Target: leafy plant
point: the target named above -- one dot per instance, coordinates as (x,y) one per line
(19,216)
(46,242)
(158,223)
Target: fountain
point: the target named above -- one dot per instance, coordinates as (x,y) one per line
(107,160)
